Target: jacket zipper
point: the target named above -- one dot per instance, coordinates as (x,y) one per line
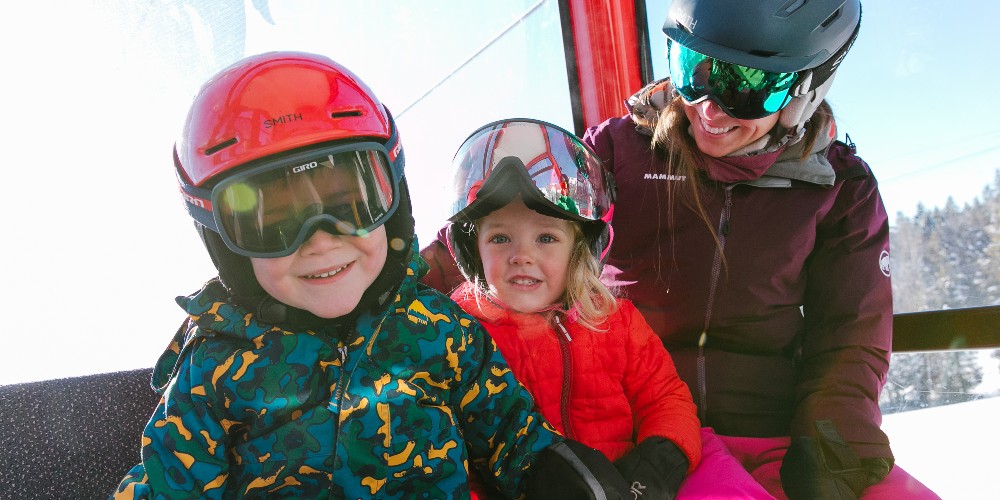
(338,395)
(716,271)
(567,385)
(345,375)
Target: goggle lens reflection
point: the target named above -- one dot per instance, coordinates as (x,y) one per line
(743,92)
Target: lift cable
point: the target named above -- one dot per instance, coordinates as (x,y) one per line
(492,41)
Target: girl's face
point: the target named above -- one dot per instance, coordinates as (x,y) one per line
(327,274)
(525,256)
(718,134)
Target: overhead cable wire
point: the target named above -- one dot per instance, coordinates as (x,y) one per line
(940,164)
(482,49)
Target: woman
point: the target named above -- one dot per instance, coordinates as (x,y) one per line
(757,246)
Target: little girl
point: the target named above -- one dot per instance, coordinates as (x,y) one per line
(529,230)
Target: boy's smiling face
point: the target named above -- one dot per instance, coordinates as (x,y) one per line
(327,274)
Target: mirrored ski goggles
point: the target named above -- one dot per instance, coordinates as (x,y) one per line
(744,93)
(269,210)
(555,173)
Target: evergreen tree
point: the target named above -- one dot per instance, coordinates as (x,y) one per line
(943,259)
(930,379)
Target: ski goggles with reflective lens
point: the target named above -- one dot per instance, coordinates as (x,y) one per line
(744,93)
(270,209)
(553,171)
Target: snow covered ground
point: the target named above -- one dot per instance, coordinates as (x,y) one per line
(953,449)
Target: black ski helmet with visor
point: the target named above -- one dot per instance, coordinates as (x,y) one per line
(553,172)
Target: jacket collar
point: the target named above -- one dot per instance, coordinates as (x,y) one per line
(791,166)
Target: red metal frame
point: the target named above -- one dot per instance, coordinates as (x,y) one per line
(607,55)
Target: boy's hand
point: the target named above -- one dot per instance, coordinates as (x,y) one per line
(571,471)
(654,469)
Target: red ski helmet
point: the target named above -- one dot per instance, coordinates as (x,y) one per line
(272,103)
(265,115)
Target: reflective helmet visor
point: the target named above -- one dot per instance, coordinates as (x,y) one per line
(553,171)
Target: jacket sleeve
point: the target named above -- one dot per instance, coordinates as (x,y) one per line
(443,275)
(848,319)
(504,433)
(661,402)
(183,446)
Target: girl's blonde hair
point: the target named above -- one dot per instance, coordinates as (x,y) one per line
(584,288)
(592,299)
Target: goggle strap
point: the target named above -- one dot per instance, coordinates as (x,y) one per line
(197,202)
(611,232)
(395,148)
(820,74)
(804,84)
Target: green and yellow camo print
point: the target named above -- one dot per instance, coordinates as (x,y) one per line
(399,408)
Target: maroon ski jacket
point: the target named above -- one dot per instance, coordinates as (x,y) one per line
(794,324)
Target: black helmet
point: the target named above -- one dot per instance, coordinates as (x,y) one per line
(774,35)
(808,37)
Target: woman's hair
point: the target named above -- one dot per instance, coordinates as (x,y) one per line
(672,141)
(592,299)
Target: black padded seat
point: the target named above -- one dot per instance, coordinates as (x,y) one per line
(72,438)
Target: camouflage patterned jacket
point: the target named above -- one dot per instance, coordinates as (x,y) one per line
(400,407)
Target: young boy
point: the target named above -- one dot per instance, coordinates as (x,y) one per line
(314,366)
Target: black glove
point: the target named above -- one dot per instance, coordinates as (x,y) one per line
(571,471)
(654,469)
(827,468)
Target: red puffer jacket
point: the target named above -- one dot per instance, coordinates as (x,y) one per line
(608,389)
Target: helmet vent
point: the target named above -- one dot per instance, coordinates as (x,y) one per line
(346,114)
(833,17)
(790,7)
(219,147)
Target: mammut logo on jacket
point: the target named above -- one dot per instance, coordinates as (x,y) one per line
(664,177)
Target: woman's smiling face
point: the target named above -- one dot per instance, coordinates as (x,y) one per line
(717,134)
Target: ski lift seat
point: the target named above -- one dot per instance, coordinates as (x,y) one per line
(72,437)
